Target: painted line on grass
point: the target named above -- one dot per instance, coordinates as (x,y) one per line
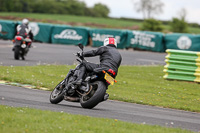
(2,82)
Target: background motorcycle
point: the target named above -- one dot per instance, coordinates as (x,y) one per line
(90,93)
(21,47)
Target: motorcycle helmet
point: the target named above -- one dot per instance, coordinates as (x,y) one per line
(25,21)
(110,40)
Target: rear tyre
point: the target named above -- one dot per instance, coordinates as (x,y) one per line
(16,53)
(95,96)
(57,94)
(23,53)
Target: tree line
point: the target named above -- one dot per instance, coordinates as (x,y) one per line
(72,7)
(150,8)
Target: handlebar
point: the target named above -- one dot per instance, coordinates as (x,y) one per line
(80,55)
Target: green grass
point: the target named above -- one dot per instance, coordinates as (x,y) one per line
(193,30)
(71,18)
(136,84)
(109,22)
(25,120)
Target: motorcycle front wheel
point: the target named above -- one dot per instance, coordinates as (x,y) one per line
(95,96)
(57,93)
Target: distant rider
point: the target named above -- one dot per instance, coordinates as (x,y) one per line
(24,30)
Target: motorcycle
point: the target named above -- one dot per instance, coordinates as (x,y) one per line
(92,90)
(21,47)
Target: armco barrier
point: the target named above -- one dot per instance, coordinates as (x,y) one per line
(7,29)
(69,35)
(98,36)
(145,40)
(182,65)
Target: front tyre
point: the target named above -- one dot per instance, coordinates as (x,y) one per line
(57,94)
(95,96)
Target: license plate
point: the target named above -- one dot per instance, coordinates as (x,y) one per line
(108,78)
(23,45)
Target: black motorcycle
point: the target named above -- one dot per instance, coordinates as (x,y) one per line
(92,90)
(21,47)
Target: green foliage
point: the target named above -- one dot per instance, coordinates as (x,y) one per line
(109,22)
(179,25)
(11,5)
(196,25)
(101,10)
(137,84)
(152,25)
(73,7)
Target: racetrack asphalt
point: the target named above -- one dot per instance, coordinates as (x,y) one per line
(43,53)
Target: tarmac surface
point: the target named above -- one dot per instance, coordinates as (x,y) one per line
(42,53)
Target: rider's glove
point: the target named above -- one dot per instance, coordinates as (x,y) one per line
(80,55)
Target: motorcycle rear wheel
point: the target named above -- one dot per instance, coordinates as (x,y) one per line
(57,94)
(95,96)
(16,53)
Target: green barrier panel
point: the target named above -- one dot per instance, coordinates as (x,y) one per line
(180,77)
(41,32)
(182,65)
(182,62)
(183,55)
(171,74)
(7,29)
(98,36)
(144,40)
(182,42)
(69,35)
(182,72)
(185,58)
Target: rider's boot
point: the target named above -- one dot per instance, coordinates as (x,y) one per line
(23,58)
(106,96)
(80,76)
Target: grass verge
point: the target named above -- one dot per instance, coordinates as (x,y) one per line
(32,120)
(46,18)
(136,84)
(84,21)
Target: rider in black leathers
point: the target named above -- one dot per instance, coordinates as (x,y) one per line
(110,59)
